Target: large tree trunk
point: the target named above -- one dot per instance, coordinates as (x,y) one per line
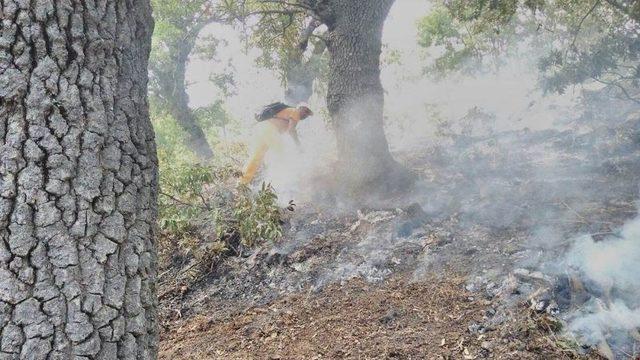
(355,96)
(78,180)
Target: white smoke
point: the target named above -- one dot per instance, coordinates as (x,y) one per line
(612,264)
(513,98)
(597,321)
(293,171)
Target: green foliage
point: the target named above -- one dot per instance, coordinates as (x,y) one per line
(576,41)
(279,31)
(275,31)
(256,217)
(391,56)
(177,215)
(178,24)
(203,215)
(181,177)
(225,82)
(438,28)
(174,20)
(207,218)
(276,36)
(219,220)
(215,121)
(465,36)
(183,210)
(176,12)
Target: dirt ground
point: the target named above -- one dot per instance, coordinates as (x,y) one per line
(395,319)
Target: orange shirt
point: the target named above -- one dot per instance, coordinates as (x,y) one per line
(284,117)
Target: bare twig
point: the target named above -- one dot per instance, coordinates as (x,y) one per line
(181,202)
(574,211)
(204,202)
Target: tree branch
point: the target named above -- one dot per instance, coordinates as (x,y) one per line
(306,34)
(577,30)
(320,46)
(321,38)
(287,3)
(267,12)
(624,91)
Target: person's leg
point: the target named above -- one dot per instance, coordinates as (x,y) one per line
(268,139)
(254,164)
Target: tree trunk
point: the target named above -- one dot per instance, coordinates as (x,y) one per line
(355,96)
(78,180)
(301,73)
(299,84)
(178,101)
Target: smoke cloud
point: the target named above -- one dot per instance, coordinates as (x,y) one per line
(611,265)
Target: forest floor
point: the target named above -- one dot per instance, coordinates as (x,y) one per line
(396,319)
(451,274)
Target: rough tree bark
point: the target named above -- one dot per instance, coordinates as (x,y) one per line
(78,179)
(173,91)
(355,97)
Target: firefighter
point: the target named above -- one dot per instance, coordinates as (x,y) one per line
(276,120)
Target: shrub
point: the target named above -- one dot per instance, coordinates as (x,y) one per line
(257,218)
(203,215)
(208,216)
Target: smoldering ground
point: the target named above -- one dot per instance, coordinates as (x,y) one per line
(510,178)
(551,182)
(605,310)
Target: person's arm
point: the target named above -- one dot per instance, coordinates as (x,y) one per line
(293,132)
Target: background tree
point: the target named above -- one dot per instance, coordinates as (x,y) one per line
(580,41)
(300,70)
(297,53)
(178,25)
(78,179)
(355,96)
(291,43)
